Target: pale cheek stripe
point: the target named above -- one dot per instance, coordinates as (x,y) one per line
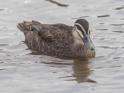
(82,28)
(79,33)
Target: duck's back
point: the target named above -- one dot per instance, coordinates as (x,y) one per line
(48,39)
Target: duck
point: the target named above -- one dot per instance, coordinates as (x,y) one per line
(59,40)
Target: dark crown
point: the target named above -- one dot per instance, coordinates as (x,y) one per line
(84,23)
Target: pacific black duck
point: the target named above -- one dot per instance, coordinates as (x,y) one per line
(59,40)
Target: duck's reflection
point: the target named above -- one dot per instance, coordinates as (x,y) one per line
(81,71)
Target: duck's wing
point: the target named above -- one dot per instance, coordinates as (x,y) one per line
(49,39)
(63,27)
(29,26)
(36,27)
(47,32)
(60,32)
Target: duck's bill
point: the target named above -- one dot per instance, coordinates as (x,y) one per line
(88,44)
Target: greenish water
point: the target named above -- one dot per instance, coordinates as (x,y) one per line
(23,72)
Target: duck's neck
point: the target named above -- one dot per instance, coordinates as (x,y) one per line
(78,47)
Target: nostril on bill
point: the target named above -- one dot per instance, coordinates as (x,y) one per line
(92,49)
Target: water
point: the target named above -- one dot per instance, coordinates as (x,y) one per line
(23,72)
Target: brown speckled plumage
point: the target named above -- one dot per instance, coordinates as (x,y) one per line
(52,39)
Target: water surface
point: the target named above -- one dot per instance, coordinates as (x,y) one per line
(23,72)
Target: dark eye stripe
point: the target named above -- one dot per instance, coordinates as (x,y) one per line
(79,28)
(88,31)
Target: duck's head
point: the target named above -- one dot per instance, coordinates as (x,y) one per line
(81,27)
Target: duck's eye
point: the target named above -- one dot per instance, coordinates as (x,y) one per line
(89,32)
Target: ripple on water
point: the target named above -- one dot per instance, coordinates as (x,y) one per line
(2,9)
(117,24)
(118,31)
(102,16)
(119,8)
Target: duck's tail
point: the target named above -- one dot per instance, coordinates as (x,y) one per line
(29,26)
